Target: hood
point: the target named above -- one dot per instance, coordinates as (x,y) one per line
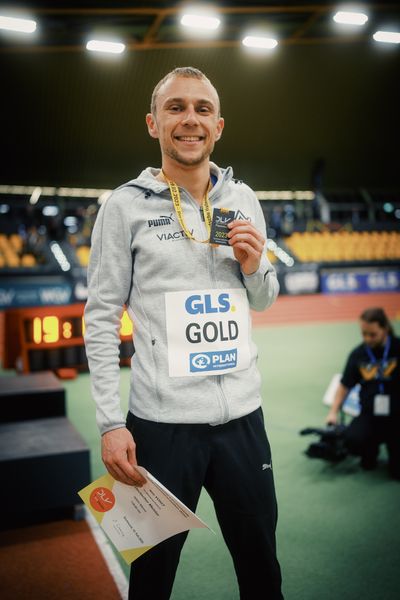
(148,182)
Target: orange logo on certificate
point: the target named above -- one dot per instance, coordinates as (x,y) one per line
(102,499)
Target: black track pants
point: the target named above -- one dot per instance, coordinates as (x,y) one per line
(233,462)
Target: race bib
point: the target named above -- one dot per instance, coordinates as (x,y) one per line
(208,332)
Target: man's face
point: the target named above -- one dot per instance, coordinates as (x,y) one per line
(186,122)
(373,334)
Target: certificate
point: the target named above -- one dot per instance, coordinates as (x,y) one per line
(137,518)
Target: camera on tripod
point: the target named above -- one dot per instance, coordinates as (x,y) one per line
(331,445)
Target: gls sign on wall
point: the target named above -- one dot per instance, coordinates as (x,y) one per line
(207,331)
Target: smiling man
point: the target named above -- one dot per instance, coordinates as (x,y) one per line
(188,141)
(184,248)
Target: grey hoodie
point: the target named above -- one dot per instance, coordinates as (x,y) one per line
(139,252)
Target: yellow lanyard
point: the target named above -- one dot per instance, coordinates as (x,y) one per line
(205,205)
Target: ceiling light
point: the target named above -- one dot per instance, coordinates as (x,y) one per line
(65,192)
(252,41)
(390,37)
(388,207)
(350,18)
(50,210)
(103,46)
(285,195)
(200,21)
(35,195)
(70,221)
(60,256)
(21,25)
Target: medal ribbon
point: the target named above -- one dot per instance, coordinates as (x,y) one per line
(374,360)
(205,205)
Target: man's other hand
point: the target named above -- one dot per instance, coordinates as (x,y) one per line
(118,451)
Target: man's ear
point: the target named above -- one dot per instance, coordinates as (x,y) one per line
(152,125)
(220,127)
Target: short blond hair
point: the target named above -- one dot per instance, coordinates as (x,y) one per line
(189,72)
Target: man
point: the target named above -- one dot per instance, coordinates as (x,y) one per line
(195,415)
(375,365)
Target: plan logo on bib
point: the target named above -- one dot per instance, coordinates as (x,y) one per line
(211,361)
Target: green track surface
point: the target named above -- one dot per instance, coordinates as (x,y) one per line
(339,527)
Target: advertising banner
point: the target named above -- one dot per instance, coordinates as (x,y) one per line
(361,281)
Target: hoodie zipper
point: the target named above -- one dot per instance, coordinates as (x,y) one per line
(210,257)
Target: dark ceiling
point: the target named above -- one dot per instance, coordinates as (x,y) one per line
(70,117)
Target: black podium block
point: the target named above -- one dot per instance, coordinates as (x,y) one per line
(44,463)
(33,396)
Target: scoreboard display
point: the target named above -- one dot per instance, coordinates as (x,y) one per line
(51,329)
(51,338)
